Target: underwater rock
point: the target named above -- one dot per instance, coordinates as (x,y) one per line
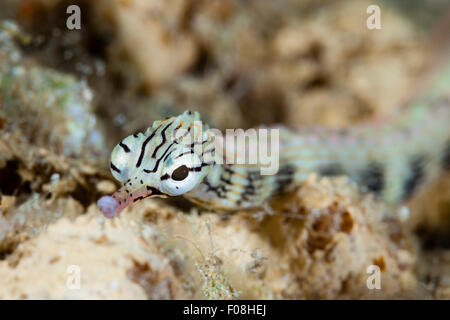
(51,109)
(317,243)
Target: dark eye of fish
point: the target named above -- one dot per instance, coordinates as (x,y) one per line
(180,173)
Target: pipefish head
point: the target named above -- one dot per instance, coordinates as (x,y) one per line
(166,160)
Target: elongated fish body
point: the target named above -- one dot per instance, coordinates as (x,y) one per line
(391,159)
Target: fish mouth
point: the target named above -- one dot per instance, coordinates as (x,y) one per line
(111,206)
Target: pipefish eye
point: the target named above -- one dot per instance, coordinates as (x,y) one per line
(181,174)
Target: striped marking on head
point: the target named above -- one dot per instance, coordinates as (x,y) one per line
(144,145)
(124,146)
(113,167)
